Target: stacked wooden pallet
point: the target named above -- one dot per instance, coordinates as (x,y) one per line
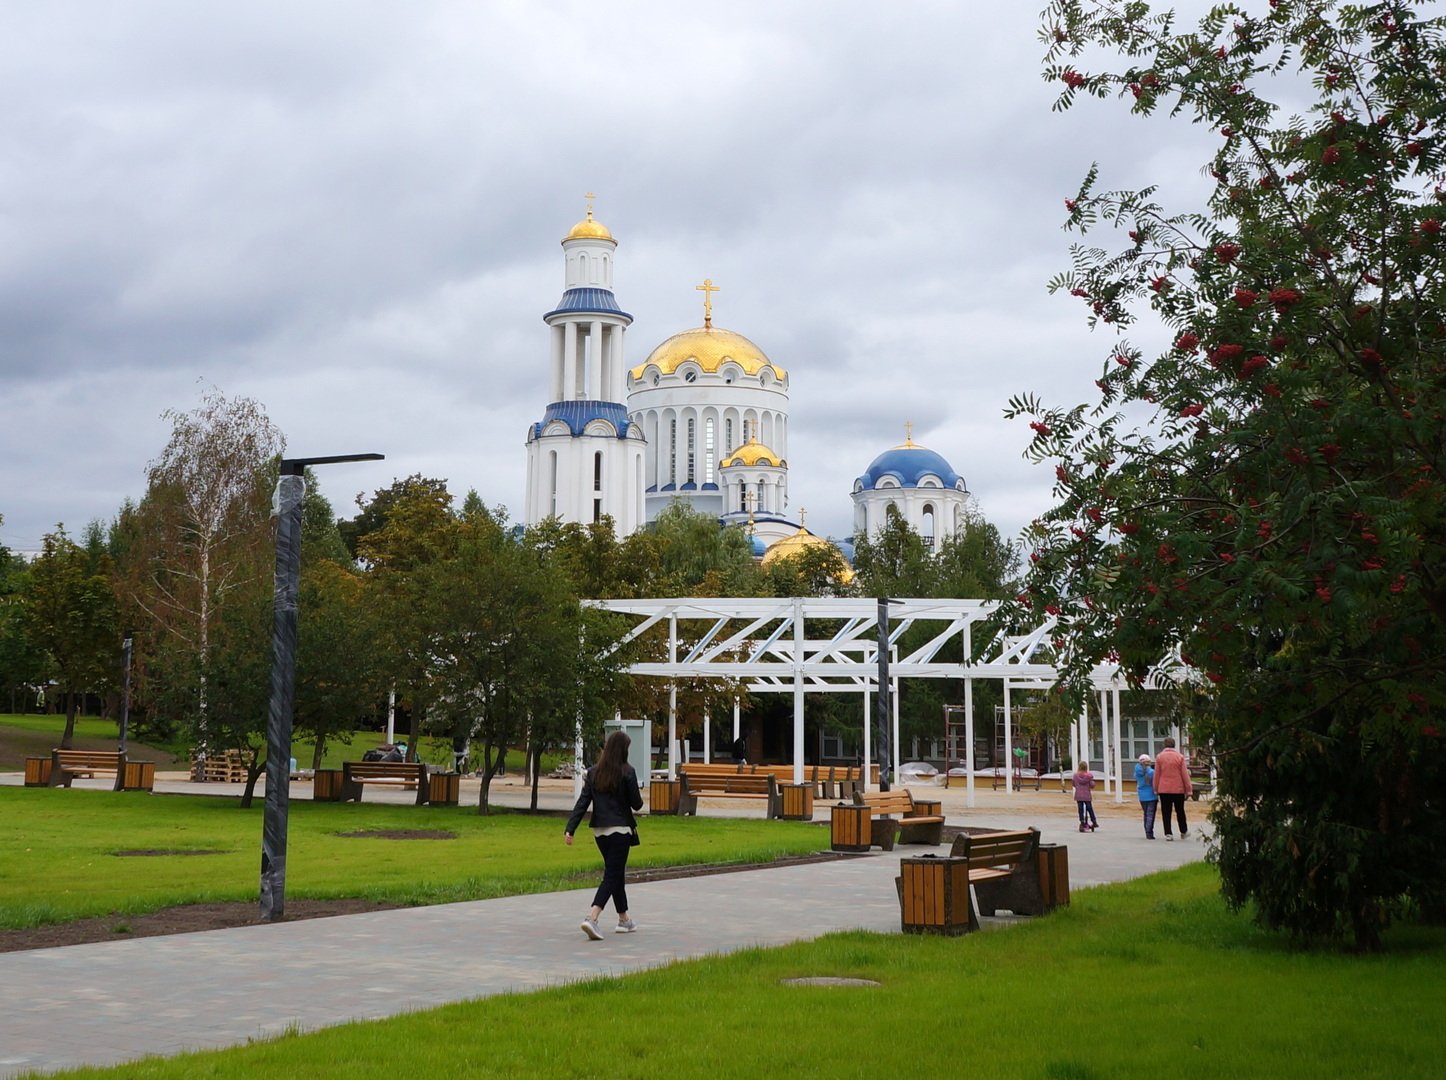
(221,767)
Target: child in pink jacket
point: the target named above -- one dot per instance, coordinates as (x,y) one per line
(1084,801)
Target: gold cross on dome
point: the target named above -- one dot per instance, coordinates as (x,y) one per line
(707,289)
(802,517)
(589,197)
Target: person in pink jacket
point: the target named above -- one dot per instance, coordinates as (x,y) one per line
(1084,786)
(1172,784)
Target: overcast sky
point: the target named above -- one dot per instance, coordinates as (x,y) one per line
(351,212)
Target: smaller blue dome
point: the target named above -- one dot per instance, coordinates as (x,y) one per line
(908,465)
(577,415)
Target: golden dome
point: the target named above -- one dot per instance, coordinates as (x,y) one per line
(752,452)
(802,541)
(708,347)
(588,229)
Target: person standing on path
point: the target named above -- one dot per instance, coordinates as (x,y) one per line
(611,789)
(1145,790)
(1084,798)
(1172,784)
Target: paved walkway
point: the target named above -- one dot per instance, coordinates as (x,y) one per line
(112,1002)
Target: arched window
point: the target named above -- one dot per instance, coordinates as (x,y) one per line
(708,477)
(597,471)
(927,530)
(552,484)
(692,450)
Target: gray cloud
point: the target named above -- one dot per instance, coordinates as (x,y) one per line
(350,211)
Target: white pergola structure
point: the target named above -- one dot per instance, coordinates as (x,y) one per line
(804,645)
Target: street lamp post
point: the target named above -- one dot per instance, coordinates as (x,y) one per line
(126,649)
(883,700)
(290,491)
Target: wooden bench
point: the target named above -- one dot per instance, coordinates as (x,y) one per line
(403,774)
(1200,782)
(1003,872)
(920,822)
(730,786)
(67,765)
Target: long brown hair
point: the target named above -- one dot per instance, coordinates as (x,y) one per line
(607,774)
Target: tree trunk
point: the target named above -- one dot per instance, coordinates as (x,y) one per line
(253,773)
(534,764)
(69,737)
(317,752)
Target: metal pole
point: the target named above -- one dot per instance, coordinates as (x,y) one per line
(290,489)
(883,708)
(126,694)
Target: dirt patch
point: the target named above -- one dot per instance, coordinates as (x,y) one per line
(176,920)
(189,918)
(400,834)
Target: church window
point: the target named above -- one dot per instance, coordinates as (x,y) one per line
(708,451)
(552,484)
(690,376)
(597,472)
(928,529)
(673,452)
(692,449)
(596,511)
(728,444)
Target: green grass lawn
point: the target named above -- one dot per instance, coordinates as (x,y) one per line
(1153,977)
(60,850)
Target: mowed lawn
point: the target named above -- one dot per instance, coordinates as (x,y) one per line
(1149,978)
(74,853)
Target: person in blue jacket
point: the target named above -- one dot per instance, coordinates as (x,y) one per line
(611,789)
(1145,792)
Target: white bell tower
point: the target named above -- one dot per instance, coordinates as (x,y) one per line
(585,456)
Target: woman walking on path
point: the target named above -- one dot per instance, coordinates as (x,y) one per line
(1084,799)
(1172,783)
(1145,789)
(611,788)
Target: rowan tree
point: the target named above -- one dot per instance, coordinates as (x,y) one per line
(1278,520)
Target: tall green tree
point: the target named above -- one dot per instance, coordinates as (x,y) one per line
(201,534)
(69,617)
(1280,521)
(20,661)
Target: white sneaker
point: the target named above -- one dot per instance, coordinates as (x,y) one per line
(1169,836)
(589,927)
(625,926)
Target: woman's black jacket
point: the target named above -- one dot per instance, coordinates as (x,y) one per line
(609,808)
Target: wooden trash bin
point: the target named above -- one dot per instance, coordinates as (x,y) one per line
(444,788)
(849,827)
(37,772)
(326,785)
(1054,875)
(934,895)
(139,776)
(663,796)
(797,802)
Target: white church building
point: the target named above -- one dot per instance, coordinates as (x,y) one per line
(703,419)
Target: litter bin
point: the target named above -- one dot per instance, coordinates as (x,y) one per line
(1054,875)
(326,785)
(444,788)
(797,802)
(663,796)
(139,776)
(934,895)
(849,827)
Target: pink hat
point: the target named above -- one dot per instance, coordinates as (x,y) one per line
(1145,759)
